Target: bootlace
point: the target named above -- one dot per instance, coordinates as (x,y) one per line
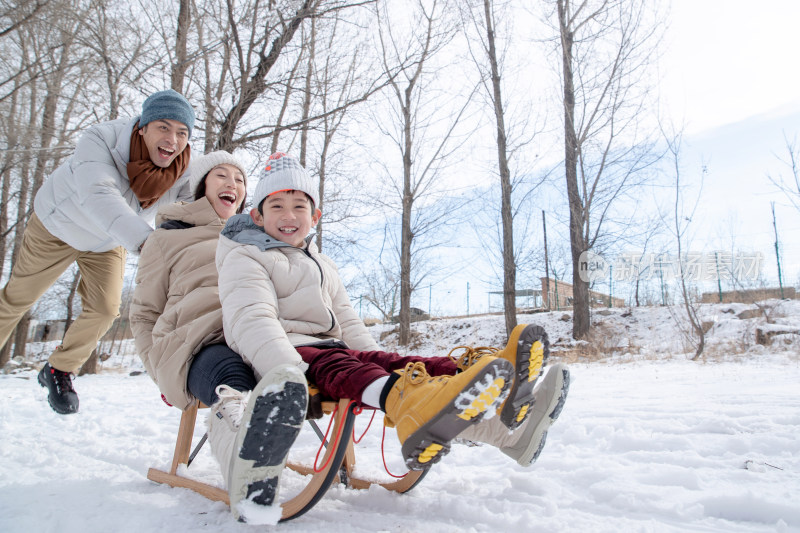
(63,381)
(232,403)
(415,373)
(470,355)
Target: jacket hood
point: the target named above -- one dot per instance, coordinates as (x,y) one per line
(241,229)
(197,213)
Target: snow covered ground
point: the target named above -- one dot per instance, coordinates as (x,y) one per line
(647,441)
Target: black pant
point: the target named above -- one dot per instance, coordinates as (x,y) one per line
(218,365)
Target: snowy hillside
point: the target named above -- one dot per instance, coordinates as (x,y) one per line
(647,441)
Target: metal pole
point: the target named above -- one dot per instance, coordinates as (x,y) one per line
(777,253)
(546,260)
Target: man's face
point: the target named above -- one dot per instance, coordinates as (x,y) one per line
(287,217)
(165,140)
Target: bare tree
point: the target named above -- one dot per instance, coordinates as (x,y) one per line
(681,219)
(605,48)
(651,230)
(181,37)
(49,43)
(790,186)
(123,51)
(416,114)
(13,17)
(484,17)
(340,61)
(380,288)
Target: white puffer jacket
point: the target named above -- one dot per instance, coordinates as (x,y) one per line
(275,296)
(87,201)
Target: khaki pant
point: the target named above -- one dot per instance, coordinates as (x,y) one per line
(42,259)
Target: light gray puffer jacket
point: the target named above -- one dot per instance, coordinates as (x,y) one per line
(275,297)
(87,201)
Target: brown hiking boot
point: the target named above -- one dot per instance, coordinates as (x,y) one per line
(527,349)
(429,412)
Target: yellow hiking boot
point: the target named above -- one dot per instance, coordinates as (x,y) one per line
(429,412)
(527,349)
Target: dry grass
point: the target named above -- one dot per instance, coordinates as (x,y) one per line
(388,340)
(603,342)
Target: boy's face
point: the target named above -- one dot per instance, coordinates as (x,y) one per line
(287,216)
(165,140)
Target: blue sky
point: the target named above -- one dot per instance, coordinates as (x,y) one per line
(729,73)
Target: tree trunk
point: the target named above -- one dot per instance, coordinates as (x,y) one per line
(580,288)
(307,95)
(6,177)
(5,354)
(73,289)
(21,335)
(328,137)
(406,236)
(5,197)
(90,366)
(509,262)
(181,64)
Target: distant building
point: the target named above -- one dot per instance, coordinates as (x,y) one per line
(558,294)
(526,299)
(747,296)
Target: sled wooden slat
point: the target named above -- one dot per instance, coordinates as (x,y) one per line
(212,493)
(336,459)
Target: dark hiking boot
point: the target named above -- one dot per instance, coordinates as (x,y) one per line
(62,397)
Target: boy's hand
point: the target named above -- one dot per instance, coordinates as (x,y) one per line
(314,403)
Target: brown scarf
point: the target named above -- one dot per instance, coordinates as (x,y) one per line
(147,180)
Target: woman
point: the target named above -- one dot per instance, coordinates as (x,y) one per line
(176,319)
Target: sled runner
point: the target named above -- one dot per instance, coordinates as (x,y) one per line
(336,462)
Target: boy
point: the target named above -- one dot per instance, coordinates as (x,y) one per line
(283,303)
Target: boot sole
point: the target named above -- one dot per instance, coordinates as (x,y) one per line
(431,441)
(533,349)
(270,429)
(57,408)
(554,407)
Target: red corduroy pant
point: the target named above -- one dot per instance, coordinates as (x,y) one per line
(344,373)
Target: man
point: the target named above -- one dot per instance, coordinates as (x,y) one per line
(91,209)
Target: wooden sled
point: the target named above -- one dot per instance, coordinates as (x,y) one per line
(338,464)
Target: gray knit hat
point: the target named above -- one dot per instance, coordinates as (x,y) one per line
(167,104)
(202,165)
(285,173)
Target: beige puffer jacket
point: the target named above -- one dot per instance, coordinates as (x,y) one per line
(176,309)
(275,296)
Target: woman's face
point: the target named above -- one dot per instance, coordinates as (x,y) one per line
(225,190)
